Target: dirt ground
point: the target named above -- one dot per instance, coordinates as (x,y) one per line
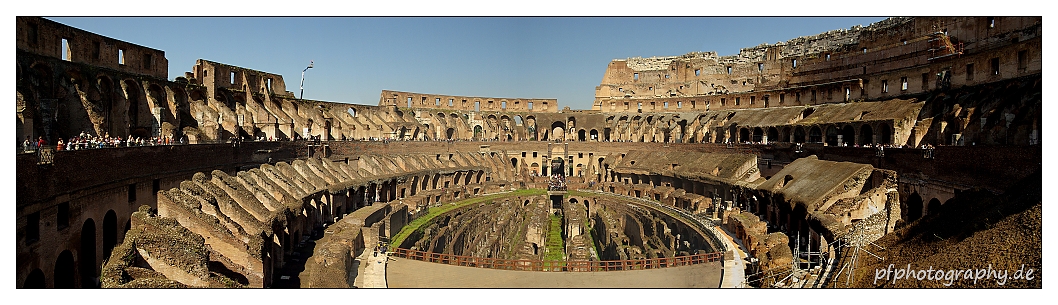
(406,273)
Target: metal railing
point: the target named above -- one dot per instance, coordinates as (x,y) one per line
(557,266)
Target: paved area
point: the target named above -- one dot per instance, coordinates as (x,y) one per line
(407,273)
(371,272)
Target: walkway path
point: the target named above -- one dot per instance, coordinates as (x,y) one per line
(734,266)
(372,270)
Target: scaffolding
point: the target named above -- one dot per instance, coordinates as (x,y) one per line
(940,46)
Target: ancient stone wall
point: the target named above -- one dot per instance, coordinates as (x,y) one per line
(52,39)
(894,57)
(465,103)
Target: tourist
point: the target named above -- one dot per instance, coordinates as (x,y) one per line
(59,145)
(40,142)
(27,145)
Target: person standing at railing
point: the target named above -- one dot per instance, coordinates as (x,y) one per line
(41,142)
(27,146)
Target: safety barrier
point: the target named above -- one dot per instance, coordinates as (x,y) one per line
(557,266)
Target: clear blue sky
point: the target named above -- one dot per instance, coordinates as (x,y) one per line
(524,57)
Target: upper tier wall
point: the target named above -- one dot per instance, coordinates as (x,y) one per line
(466,103)
(45,37)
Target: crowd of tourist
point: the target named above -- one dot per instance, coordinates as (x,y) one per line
(85,140)
(557,183)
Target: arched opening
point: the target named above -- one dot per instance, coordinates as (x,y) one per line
(133,100)
(933,207)
(110,232)
(743,135)
(34,280)
(884,134)
(866,135)
(815,135)
(581,135)
(478,133)
(799,135)
(914,207)
(64,273)
(848,135)
(86,258)
(594,135)
(758,135)
(514,163)
(558,131)
(449,133)
(774,136)
(832,135)
(351,111)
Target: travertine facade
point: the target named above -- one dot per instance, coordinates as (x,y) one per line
(892,58)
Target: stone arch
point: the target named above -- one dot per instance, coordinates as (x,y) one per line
(866,135)
(758,135)
(86,255)
(913,207)
(110,232)
(581,135)
(136,109)
(933,207)
(848,135)
(74,78)
(885,134)
(35,279)
(157,93)
(351,111)
(773,135)
(450,133)
(479,133)
(64,275)
(815,135)
(179,105)
(831,135)
(743,135)
(558,131)
(799,136)
(594,135)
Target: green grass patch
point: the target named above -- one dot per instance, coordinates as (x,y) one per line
(444,208)
(580,194)
(555,246)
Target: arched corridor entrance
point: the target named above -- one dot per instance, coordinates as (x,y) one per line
(64,272)
(86,258)
(34,280)
(914,207)
(110,232)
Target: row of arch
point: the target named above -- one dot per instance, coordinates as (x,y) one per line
(914,208)
(831,134)
(879,132)
(78,266)
(119,105)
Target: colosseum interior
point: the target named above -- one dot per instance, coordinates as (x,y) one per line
(809,163)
